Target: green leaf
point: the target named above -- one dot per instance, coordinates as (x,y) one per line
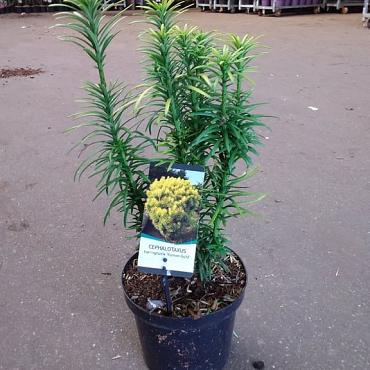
(199,91)
(167,106)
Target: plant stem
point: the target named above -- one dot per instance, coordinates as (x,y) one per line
(223,160)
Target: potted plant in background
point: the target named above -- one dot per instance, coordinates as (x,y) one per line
(37,6)
(27,7)
(43,6)
(51,6)
(2,6)
(19,6)
(194,103)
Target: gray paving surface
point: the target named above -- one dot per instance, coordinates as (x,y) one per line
(307,303)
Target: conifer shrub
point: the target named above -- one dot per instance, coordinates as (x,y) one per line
(173,205)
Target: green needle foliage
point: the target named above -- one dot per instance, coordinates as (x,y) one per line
(195,93)
(195,99)
(115,149)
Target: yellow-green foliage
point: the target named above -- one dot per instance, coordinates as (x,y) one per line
(172,204)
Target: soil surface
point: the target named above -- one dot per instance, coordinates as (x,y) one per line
(307,302)
(190,297)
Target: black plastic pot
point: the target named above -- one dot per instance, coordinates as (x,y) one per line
(170,343)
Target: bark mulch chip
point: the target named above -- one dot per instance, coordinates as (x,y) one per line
(19,72)
(190,297)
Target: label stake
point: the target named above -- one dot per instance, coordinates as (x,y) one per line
(166,288)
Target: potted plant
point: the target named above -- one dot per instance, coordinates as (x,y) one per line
(51,6)
(43,6)
(27,7)
(37,6)
(19,6)
(193,101)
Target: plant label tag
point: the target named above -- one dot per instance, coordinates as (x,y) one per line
(169,236)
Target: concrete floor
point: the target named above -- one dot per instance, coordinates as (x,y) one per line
(307,303)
